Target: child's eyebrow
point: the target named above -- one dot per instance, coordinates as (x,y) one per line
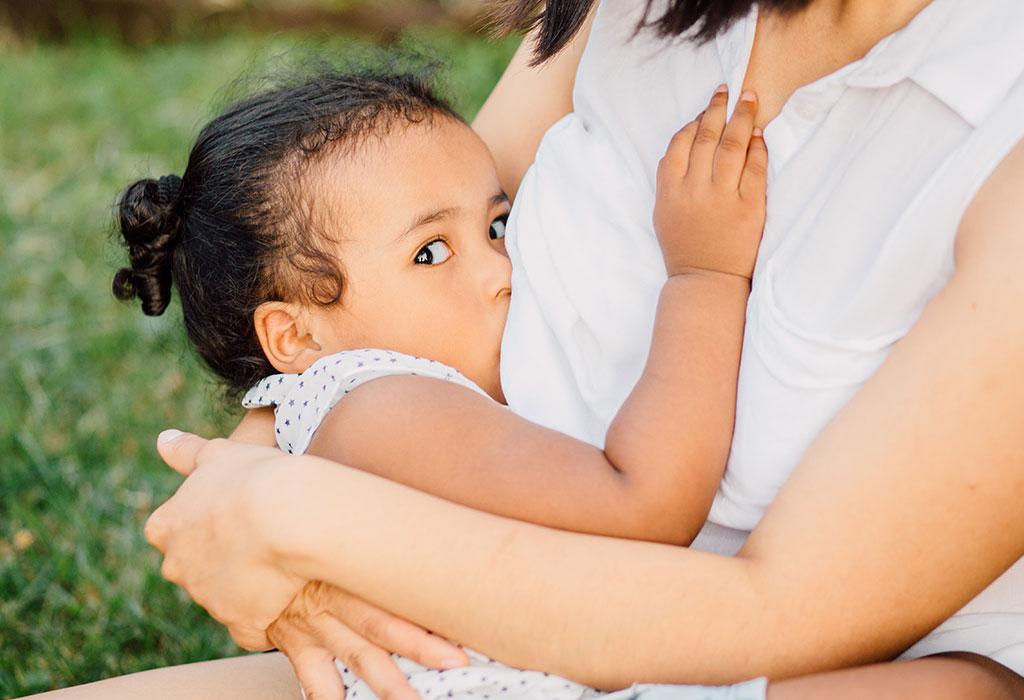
(446,213)
(429,218)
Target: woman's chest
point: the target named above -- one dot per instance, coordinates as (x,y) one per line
(870,172)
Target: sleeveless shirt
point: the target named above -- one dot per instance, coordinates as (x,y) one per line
(871,170)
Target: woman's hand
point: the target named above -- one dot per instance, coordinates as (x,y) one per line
(710,206)
(211,533)
(324,623)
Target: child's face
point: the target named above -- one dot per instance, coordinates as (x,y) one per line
(421,219)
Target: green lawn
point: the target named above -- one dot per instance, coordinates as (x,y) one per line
(87,381)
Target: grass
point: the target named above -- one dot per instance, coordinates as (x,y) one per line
(87,381)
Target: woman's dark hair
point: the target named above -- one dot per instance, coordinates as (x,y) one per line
(559,20)
(240,227)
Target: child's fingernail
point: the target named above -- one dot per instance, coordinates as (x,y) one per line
(748,96)
(721,88)
(167,436)
(758,131)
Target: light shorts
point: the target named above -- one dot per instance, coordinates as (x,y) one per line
(485,679)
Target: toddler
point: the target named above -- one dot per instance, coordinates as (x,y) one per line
(350,228)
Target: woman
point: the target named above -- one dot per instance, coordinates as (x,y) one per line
(894,215)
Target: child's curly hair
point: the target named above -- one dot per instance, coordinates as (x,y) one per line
(241,226)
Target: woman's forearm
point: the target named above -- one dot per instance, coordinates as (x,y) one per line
(902,511)
(596,609)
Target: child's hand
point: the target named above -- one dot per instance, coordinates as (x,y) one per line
(710,206)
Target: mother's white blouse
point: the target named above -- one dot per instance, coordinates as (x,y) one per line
(872,168)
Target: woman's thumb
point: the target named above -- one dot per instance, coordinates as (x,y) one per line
(179,450)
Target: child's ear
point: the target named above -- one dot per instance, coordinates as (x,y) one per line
(286,341)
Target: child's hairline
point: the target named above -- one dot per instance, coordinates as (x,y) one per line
(304,173)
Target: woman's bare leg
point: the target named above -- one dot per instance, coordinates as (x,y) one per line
(253,677)
(269,677)
(954,676)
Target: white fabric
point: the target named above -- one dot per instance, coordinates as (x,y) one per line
(314,393)
(872,168)
(486,679)
(483,679)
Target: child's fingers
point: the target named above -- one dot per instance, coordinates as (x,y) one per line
(709,133)
(732,149)
(677,156)
(754,180)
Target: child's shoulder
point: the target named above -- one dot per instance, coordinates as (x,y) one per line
(303,400)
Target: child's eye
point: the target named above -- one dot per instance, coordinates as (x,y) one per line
(433,253)
(498,227)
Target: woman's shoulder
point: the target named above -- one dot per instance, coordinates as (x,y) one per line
(991,233)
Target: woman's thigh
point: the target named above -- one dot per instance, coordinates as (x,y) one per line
(270,677)
(953,676)
(252,677)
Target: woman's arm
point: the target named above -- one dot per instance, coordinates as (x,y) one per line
(525,103)
(905,508)
(666,449)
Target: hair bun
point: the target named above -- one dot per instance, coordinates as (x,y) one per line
(151,224)
(168,190)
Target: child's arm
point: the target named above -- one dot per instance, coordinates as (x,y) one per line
(666,449)
(256,428)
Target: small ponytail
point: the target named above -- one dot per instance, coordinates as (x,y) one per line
(152,226)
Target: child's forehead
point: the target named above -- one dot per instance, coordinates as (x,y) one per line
(430,156)
(409,169)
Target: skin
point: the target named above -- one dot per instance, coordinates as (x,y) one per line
(666,449)
(419,259)
(773,581)
(608,625)
(418,214)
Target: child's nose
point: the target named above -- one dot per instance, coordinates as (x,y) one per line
(496,272)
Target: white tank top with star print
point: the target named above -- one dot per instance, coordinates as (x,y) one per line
(302,401)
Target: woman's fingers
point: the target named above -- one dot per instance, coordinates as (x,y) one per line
(754,180)
(250,638)
(312,663)
(392,632)
(732,149)
(360,636)
(318,675)
(373,665)
(180,450)
(211,534)
(709,134)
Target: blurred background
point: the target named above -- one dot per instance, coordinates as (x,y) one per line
(95,94)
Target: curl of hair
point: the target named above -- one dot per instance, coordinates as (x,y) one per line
(560,20)
(152,228)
